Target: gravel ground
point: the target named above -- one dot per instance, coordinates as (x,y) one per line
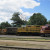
(10,49)
(26,44)
(7,49)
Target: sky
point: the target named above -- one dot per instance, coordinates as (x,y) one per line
(25,7)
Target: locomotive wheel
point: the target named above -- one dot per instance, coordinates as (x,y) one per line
(42,35)
(45,35)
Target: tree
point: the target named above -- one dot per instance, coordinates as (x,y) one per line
(24,22)
(7,24)
(17,21)
(4,25)
(37,19)
(48,22)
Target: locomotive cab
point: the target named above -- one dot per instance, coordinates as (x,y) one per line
(45,30)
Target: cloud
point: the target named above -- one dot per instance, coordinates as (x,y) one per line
(5,16)
(8,7)
(25,16)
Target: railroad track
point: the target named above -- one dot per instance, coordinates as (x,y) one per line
(18,48)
